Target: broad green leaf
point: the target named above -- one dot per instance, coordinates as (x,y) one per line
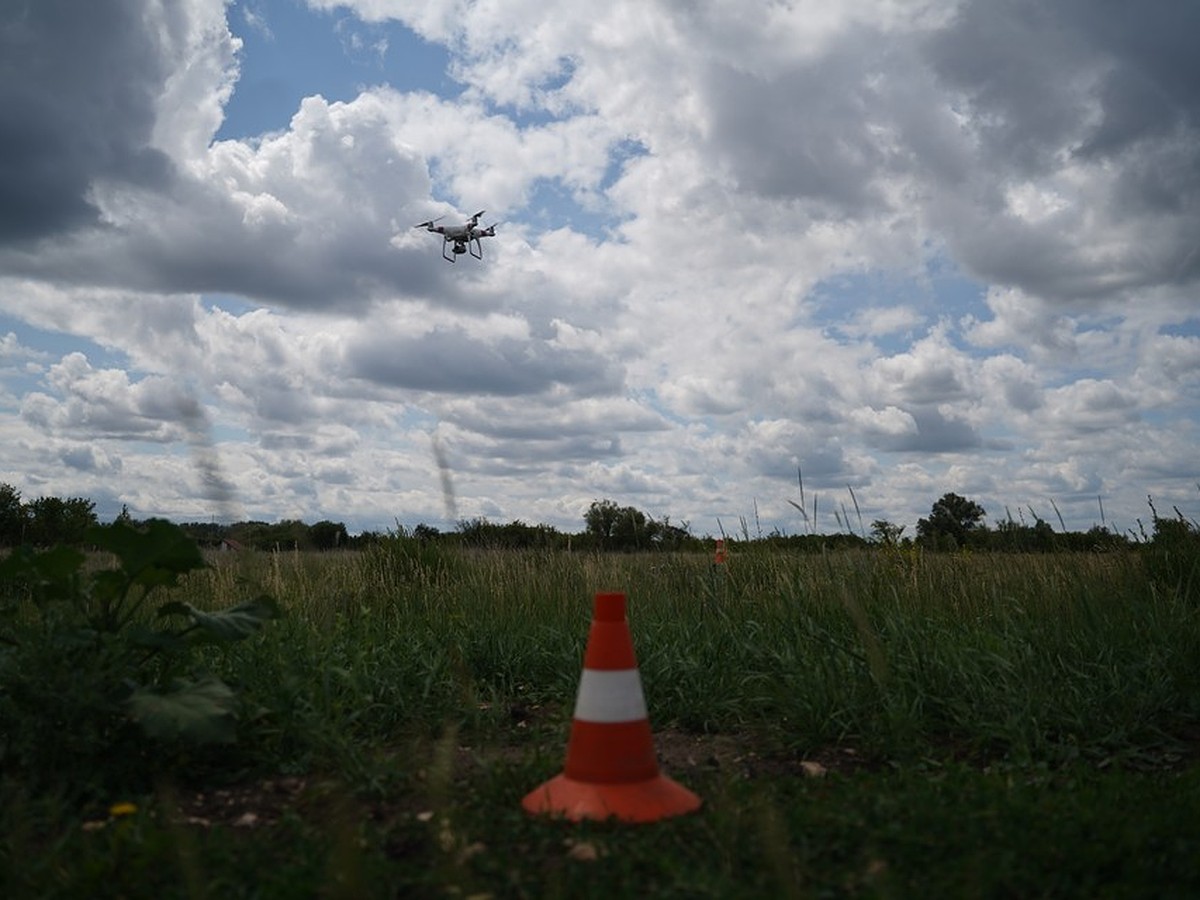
(108,586)
(201,712)
(230,624)
(153,639)
(157,553)
(69,637)
(17,574)
(59,563)
(51,574)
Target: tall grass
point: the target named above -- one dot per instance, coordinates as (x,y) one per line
(1022,659)
(1019,719)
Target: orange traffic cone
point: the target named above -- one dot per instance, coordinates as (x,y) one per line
(611,769)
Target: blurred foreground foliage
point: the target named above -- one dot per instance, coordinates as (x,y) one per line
(103,680)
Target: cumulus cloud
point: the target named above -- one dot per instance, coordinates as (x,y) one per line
(1090,405)
(104,403)
(690,199)
(1027,322)
(1094,109)
(83,111)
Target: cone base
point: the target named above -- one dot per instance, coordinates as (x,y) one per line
(639,801)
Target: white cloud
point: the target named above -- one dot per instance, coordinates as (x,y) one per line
(1088,406)
(932,372)
(879,322)
(1027,322)
(674,350)
(889,422)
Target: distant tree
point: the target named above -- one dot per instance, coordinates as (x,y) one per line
(288,534)
(13,517)
(516,535)
(425,532)
(250,533)
(619,527)
(1172,531)
(521,535)
(885,532)
(1100,538)
(207,534)
(53,520)
(326,535)
(477,532)
(601,518)
(1172,558)
(951,520)
(666,536)
(365,539)
(1038,537)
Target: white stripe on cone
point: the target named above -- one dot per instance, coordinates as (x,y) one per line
(607,696)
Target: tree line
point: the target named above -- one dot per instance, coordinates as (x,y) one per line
(953,523)
(44,521)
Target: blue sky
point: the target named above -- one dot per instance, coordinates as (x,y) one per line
(290,52)
(945,248)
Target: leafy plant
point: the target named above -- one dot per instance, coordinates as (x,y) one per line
(90,669)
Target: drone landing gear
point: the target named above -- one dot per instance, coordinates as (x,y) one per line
(471,245)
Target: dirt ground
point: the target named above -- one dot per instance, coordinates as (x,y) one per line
(681,755)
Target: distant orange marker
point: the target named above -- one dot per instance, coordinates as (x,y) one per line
(611,768)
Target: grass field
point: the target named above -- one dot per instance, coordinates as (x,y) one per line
(881,723)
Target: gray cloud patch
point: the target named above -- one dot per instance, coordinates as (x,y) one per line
(1152,83)
(936,433)
(448,360)
(522,457)
(764,130)
(1018,69)
(78,84)
(1051,92)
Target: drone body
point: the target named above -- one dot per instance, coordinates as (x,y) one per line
(461,239)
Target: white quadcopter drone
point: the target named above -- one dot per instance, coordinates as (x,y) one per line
(464,238)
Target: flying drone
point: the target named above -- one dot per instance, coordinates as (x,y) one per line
(464,238)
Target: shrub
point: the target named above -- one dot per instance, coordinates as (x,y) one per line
(90,672)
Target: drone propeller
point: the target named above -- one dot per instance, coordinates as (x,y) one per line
(430,223)
(475,218)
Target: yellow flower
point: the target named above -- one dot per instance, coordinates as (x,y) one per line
(122,809)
